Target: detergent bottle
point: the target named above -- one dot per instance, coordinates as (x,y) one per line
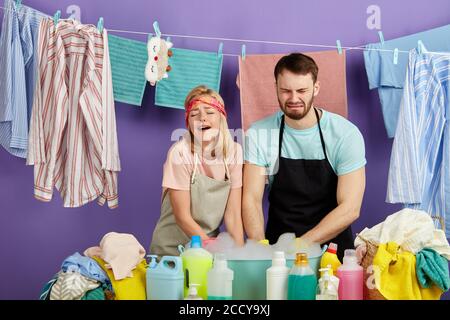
(220,279)
(350,275)
(328,286)
(196,264)
(193,293)
(277,278)
(165,279)
(302,280)
(330,258)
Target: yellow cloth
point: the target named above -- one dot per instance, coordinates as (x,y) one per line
(395,275)
(128,288)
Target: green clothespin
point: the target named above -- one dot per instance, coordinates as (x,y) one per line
(380,35)
(243,52)
(56,17)
(220,50)
(18,4)
(339,46)
(421,47)
(100,25)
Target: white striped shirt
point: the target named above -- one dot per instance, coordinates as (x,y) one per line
(73,140)
(419,174)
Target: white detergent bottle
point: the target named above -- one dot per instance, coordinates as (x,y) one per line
(192,292)
(277,278)
(220,279)
(327,288)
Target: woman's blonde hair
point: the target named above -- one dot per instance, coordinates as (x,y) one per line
(225,144)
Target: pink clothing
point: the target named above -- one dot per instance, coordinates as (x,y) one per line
(258,91)
(180,165)
(122,253)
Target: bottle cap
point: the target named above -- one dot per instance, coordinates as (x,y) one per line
(332,248)
(350,256)
(196,242)
(220,261)
(264,241)
(192,291)
(301,259)
(278,259)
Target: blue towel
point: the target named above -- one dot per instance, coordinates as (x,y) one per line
(432,268)
(189,69)
(128,59)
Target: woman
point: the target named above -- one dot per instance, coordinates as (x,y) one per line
(202,178)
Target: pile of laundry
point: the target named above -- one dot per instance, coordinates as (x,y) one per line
(114,270)
(405,257)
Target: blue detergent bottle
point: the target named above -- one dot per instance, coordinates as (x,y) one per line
(165,279)
(302,280)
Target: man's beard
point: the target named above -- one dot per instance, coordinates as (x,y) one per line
(294,114)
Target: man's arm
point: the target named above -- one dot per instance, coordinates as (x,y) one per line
(253,191)
(350,192)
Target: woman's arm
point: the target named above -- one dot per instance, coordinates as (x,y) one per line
(233,217)
(181,205)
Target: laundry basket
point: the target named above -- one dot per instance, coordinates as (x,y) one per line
(370,291)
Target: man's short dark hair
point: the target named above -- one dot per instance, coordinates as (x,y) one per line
(297,63)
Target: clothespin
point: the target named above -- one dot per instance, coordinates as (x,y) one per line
(18,4)
(220,51)
(156,28)
(421,47)
(243,52)
(149,36)
(56,17)
(380,35)
(100,25)
(396,56)
(168,39)
(339,46)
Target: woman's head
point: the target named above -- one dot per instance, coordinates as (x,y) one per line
(206,121)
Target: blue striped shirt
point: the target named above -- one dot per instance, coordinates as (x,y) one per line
(419,169)
(18,47)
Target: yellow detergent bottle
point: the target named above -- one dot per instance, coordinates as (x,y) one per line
(330,258)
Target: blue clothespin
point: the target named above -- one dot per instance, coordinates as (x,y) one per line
(220,51)
(18,4)
(396,56)
(339,46)
(380,35)
(156,28)
(100,25)
(56,17)
(243,52)
(421,47)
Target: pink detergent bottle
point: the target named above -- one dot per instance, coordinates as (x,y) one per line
(350,275)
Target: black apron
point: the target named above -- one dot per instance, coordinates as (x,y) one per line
(303,192)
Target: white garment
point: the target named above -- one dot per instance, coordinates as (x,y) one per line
(412,230)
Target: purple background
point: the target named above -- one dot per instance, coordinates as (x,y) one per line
(35,237)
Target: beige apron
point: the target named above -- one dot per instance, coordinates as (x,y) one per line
(208,202)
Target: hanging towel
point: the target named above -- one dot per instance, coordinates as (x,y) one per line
(121,251)
(73,140)
(412,230)
(431,269)
(189,69)
(128,60)
(395,275)
(18,49)
(419,173)
(258,91)
(389,78)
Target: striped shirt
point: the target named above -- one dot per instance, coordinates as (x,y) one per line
(18,64)
(419,174)
(73,140)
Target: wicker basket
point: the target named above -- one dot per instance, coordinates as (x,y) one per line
(367,261)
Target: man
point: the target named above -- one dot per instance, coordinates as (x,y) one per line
(314,160)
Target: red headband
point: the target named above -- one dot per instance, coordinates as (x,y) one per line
(213,103)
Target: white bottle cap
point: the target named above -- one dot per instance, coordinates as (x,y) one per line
(278,259)
(220,261)
(350,257)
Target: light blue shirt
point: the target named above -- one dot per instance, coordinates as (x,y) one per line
(389,78)
(419,170)
(344,143)
(18,49)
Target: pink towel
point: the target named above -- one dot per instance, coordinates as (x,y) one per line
(121,251)
(258,92)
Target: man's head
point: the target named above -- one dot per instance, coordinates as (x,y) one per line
(297,85)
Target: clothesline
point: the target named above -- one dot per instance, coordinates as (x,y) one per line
(362,47)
